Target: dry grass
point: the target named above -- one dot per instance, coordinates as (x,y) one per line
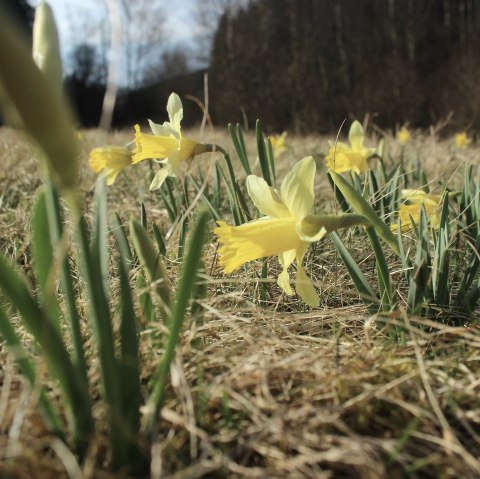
(273,391)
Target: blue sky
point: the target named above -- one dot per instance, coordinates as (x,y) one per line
(78,21)
(179,25)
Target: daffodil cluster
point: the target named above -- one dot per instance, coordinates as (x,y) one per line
(167,145)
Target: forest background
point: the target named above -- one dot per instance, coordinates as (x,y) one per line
(301,65)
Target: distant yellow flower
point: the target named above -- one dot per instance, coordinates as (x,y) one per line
(112,159)
(342,157)
(403,135)
(411,211)
(278,144)
(166,144)
(282,232)
(462,140)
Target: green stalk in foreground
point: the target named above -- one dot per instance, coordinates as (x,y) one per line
(186,287)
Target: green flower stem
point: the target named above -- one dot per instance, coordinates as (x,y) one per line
(184,293)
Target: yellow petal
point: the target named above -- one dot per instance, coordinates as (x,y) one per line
(355,136)
(303,285)
(283,280)
(254,240)
(297,188)
(160,130)
(305,288)
(160,177)
(265,198)
(175,111)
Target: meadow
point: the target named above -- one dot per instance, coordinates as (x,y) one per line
(230,303)
(261,384)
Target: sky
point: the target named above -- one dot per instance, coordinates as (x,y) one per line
(78,22)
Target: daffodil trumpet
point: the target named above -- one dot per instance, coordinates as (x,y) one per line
(110,160)
(286,231)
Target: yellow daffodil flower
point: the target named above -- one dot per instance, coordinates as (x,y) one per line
(280,232)
(278,144)
(111,159)
(462,140)
(342,157)
(287,229)
(167,144)
(411,211)
(403,135)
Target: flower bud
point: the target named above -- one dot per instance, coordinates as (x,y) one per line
(46,47)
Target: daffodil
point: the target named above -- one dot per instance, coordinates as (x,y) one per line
(167,144)
(342,157)
(286,231)
(403,135)
(111,160)
(278,144)
(462,140)
(409,211)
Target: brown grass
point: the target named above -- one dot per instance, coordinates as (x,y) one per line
(273,391)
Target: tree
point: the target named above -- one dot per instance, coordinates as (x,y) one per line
(308,65)
(21,11)
(143,35)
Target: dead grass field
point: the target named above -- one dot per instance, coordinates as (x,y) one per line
(274,391)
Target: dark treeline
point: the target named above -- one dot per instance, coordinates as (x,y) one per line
(308,64)
(20,11)
(304,65)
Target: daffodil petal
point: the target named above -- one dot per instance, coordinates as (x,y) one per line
(355,136)
(305,288)
(303,285)
(175,111)
(283,280)
(265,198)
(160,177)
(174,163)
(160,130)
(297,188)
